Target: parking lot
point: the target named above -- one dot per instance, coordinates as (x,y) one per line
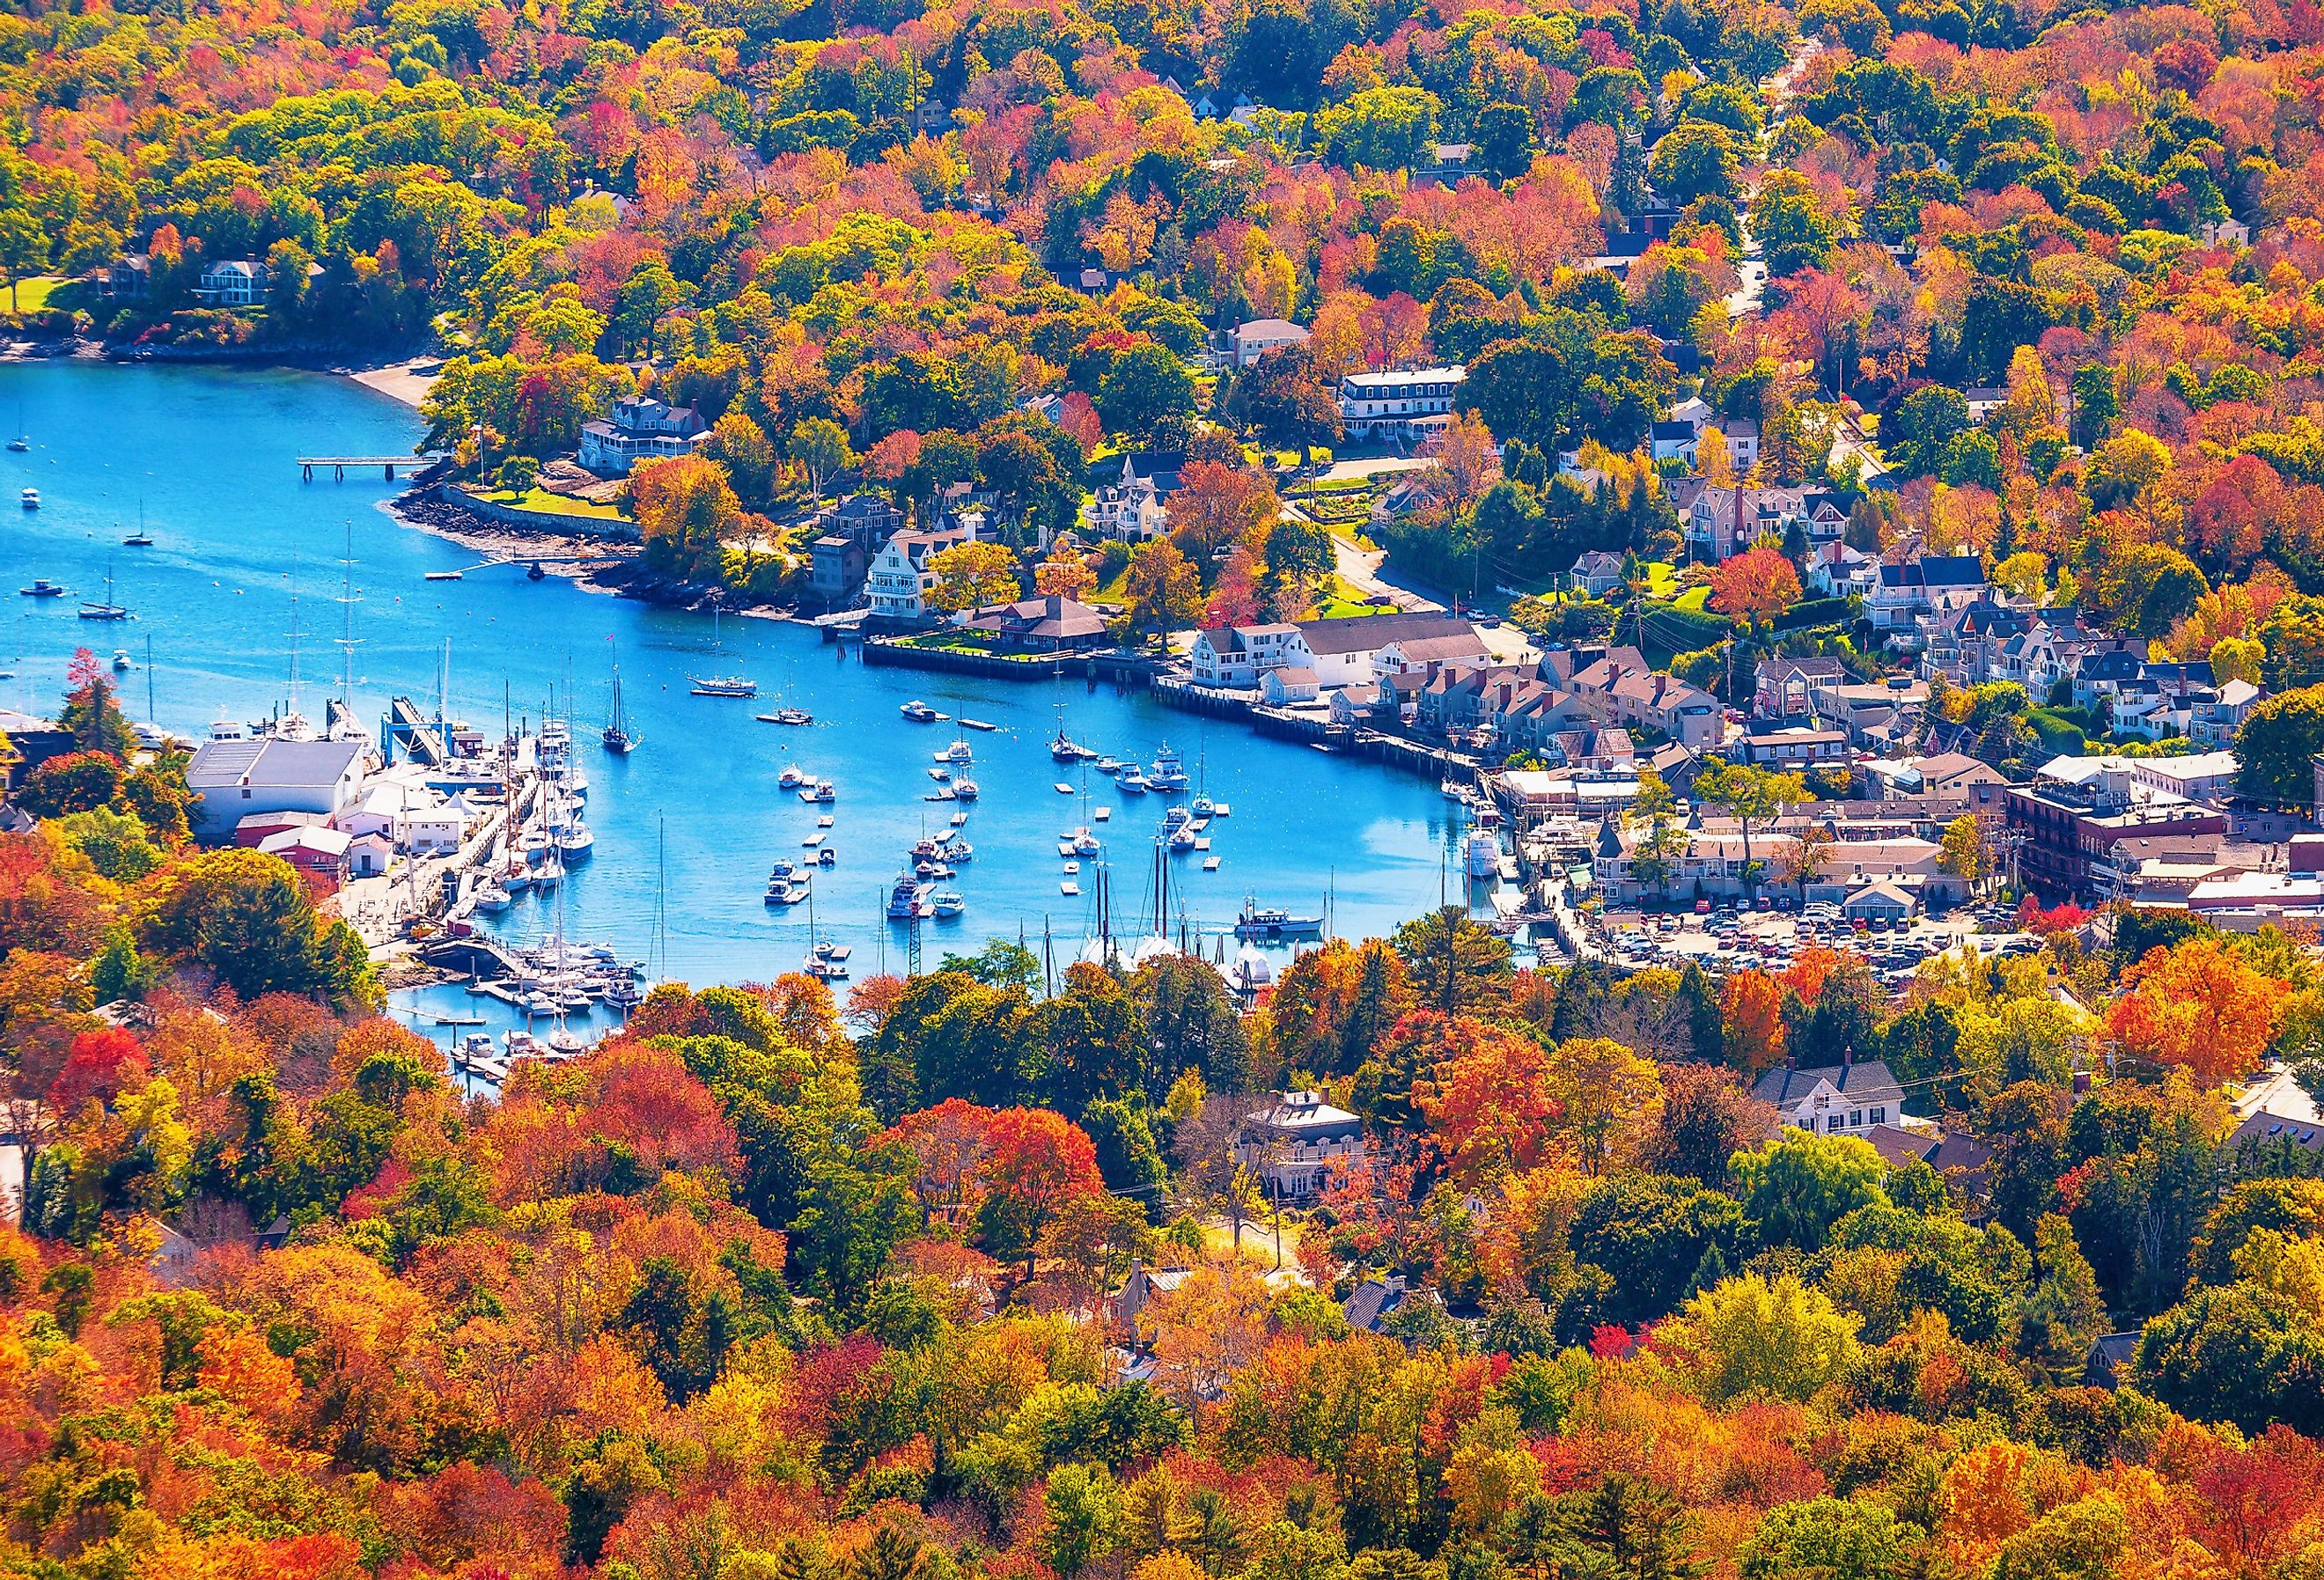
(1723,937)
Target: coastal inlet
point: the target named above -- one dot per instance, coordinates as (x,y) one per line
(239,596)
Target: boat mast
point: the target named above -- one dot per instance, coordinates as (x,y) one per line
(294,627)
(348,623)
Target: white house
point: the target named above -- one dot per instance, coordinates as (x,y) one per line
(1847,1098)
(1294,1145)
(232,282)
(1348,652)
(642,428)
(231,780)
(1742,437)
(1137,507)
(1399,403)
(1236,655)
(1256,339)
(1674,441)
(899,579)
(1911,599)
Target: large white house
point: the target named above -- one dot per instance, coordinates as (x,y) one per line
(1256,339)
(642,428)
(1235,656)
(1400,404)
(1138,507)
(1294,1146)
(1354,652)
(232,282)
(900,580)
(1847,1098)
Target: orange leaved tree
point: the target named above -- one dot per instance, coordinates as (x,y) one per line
(2199,1005)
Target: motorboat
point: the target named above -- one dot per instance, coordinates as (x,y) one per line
(948,902)
(1109,766)
(964,790)
(792,716)
(958,752)
(1258,921)
(1481,856)
(790,778)
(920,713)
(1083,843)
(908,901)
(565,1043)
(1135,781)
(42,587)
(787,892)
(1205,807)
(782,870)
(823,795)
(1169,773)
(826,858)
(30,499)
(828,950)
(1453,790)
(960,850)
(121,661)
(1174,819)
(1182,839)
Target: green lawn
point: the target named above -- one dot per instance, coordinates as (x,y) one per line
(537,498)
(31,295)
(1693,597)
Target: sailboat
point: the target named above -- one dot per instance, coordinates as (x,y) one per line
(141,538)
(722,685)
(22,441)
(108,609)
(617,737)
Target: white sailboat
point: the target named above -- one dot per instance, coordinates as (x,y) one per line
(736,685)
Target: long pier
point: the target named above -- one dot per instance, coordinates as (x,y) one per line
(386,464)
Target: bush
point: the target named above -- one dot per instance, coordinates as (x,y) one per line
(1818,611)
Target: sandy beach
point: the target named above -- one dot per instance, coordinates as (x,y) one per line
(405,381)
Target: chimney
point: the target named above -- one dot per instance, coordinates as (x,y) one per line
(1847,1057)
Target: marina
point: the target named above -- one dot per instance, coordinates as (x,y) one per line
(702,794)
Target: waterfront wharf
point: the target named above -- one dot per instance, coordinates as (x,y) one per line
(386,464)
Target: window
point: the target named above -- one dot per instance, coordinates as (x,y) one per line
(1880,1114)
(1855,1118)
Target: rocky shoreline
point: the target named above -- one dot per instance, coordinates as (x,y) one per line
(594,563)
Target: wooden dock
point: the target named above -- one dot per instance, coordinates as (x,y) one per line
(386,464)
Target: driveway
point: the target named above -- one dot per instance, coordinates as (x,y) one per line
(1366,569)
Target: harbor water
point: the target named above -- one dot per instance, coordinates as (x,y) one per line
(246,555)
